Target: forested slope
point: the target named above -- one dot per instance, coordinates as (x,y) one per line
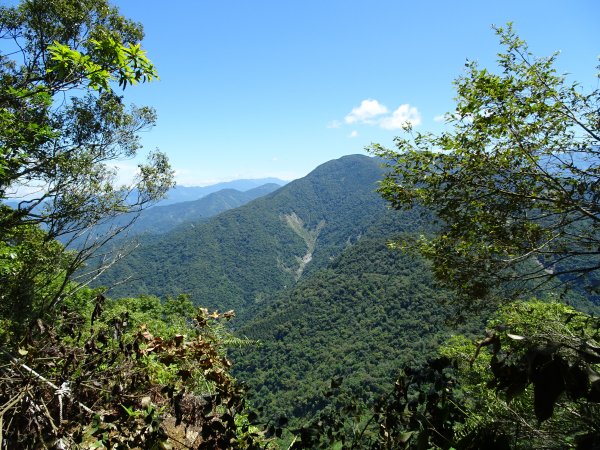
(241,255)
(163,218)
(360,317)
(370,311)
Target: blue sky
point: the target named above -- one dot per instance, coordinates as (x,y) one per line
(251,89)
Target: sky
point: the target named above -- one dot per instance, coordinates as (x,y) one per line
(252,89)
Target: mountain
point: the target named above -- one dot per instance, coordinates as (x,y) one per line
(189,193)
(359,319)
(308,272)
(313,283)
(237,258)
(183,204)
(160,219)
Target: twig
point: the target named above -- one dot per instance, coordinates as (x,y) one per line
(40,377)
(9,405)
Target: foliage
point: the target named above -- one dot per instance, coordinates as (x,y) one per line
(514,184)
(421,411)
(106,378)
(544,360)
(32,276)
(368,313)
(62,126)
(251,252)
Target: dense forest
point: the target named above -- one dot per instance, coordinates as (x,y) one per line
(436,295)
(359,319)
(246,253)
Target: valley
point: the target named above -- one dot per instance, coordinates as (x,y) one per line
(313,284)
(437,289)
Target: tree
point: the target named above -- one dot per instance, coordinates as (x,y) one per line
(538,386)
(515,183)
(62,125)
(79,370)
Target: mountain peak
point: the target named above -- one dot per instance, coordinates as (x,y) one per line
(242,254)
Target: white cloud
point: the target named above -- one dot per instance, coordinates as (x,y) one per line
(366,112)
(404,115)
(371,112)
(440,118)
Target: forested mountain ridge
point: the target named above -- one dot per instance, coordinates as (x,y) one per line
(163,218)
(368,312)
(237,257)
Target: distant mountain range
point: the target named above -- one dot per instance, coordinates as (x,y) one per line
(163,218)
(186,204)
(190,193)
(180,194)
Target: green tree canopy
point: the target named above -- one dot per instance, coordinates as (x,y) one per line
(62,128)
(79,370)
(515,182)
